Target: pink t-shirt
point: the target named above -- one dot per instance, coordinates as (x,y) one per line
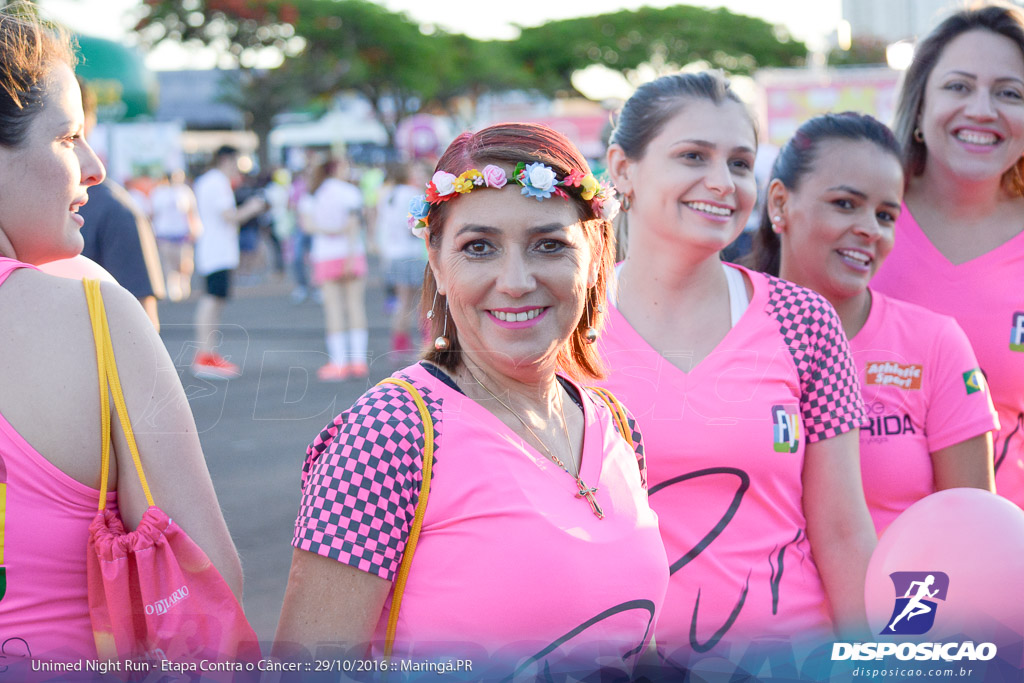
(986,297)
(725,451)
(923,392)
(511,567)
(44,610)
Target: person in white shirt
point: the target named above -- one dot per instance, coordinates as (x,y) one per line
(217,255)
(338,255)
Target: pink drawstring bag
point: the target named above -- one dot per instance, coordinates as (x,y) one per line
(153,593)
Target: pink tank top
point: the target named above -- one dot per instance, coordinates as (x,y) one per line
(44,523)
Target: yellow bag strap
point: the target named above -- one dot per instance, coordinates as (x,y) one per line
(618,413)
(110,381)
(421,510)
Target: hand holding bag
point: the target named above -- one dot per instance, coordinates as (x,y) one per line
(153,593)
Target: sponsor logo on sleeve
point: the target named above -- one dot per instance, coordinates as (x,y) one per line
(904,376)
(786,429)
(1017,333)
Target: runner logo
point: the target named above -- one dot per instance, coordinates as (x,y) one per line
(974,381)
(1017,333)
(904,376)
(916,595)
(786,425)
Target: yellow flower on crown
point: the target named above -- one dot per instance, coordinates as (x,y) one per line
(468,180)
(590,186)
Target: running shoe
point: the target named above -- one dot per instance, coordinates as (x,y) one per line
(209,365)
(332,372)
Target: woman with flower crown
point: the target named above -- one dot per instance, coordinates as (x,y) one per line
(537,551)
(745,387)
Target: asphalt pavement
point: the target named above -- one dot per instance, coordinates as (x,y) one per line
(255,429)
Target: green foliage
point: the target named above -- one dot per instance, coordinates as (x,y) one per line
(333,45)
(667,38)
(863,51)
(233,26)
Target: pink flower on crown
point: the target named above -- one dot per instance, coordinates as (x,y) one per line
(495,176)
(573,179)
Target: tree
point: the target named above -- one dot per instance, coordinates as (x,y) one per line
(361,46)
(863,51)
(262,94)
(237,28)
(333,45)
(669,38)
(240,29)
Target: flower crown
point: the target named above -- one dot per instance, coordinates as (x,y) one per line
(536,179)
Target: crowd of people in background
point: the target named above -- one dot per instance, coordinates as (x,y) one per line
(287,225)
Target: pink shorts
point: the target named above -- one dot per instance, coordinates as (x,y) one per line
(339,269)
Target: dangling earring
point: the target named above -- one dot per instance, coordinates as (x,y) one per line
(625,204)
(590,335)
(918,135)
(442,343)
(430,313)
(776,228)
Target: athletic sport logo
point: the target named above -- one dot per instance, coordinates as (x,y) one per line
(916,595)
(786,426)
(890,374)
(974,381)
(1017,333)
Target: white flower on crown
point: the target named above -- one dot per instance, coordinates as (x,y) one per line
(541,177)
(444,183)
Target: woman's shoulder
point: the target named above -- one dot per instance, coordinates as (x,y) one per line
(385,424)
(798,311)
(387,408)
(923,320)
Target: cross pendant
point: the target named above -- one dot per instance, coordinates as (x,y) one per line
(588,493)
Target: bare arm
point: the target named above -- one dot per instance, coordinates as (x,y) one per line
(168,442)
(965,464)
(249,209)
(327,601)
(839,527)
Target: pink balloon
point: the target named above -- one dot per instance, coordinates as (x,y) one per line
(976,540)
(77,268)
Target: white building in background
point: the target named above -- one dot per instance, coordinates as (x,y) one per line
(893,20)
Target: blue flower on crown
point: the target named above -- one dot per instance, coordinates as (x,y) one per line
(419,207)
(537,180)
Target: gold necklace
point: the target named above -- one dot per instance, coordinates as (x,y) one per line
(583,491)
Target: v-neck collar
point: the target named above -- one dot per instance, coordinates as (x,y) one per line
(912,231)
(633,340)
(590,460)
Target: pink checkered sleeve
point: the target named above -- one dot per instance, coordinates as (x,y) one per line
(830,391)
(638,446)
(361,481)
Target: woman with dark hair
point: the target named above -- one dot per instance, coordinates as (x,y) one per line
(744,385)
(50,432)
(833,200)
(538,546)
(960,238)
